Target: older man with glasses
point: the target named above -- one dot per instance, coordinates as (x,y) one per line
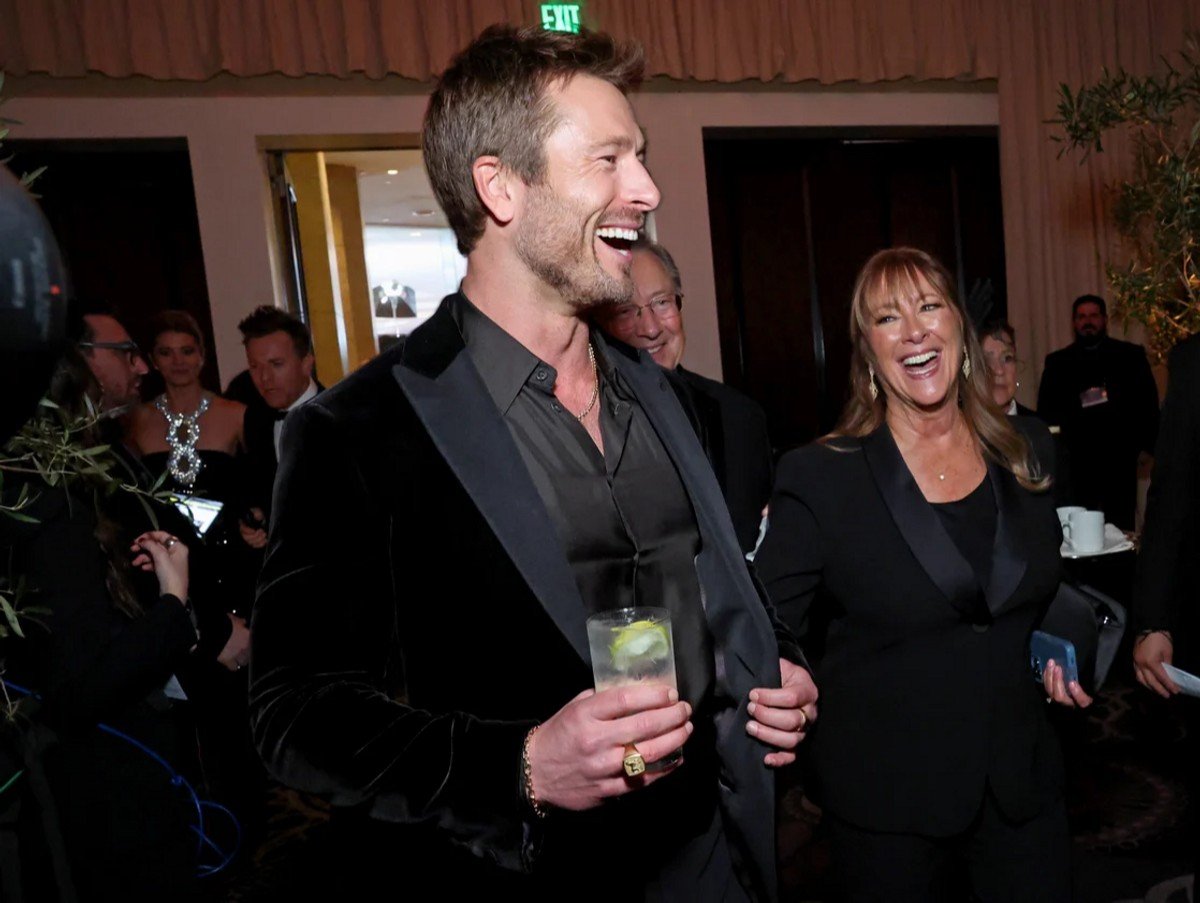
(731,427)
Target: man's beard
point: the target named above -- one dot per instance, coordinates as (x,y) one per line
(1091,340)
(548,243)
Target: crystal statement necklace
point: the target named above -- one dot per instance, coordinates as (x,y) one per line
(183,432)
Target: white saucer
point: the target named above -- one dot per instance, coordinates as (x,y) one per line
(1114,541)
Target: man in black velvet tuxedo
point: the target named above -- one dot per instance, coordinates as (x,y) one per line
(1101,392)
(447,517)
(731,427)
(279,359)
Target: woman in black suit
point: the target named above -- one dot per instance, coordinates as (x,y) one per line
(921,536)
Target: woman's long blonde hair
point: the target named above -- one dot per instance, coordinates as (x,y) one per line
(894,274)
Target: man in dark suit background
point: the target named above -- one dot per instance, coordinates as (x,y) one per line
(731,427)
(1101,392)
(1166,602)
(448,516)
(279,359)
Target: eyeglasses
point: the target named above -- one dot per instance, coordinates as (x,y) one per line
(665,308)
(1002,359)
(131,349)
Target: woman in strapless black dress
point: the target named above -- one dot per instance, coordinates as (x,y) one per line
(195,439)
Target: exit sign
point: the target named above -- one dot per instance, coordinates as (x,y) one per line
(561,17)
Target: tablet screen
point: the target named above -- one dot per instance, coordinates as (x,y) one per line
(201,511)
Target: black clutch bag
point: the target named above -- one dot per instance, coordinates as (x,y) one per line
(1094,623)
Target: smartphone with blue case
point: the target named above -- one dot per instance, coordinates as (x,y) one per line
(1046,646)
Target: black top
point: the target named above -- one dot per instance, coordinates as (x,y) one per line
(623,518)
(234,564)
(627,528)
(971,523)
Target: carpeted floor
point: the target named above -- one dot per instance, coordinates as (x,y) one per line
(1132,821)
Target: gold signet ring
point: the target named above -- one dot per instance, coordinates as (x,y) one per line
(633,763)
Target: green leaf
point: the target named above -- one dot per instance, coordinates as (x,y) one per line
(10,615)
(29,178)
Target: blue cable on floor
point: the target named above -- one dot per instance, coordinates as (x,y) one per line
(177,780)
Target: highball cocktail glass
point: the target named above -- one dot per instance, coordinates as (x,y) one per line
(633,645)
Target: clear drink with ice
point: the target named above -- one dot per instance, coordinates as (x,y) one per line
(633,645)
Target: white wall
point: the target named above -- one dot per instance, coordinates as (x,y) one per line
(233,198)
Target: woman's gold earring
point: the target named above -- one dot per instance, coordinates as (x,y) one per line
(966,368)
(874,388)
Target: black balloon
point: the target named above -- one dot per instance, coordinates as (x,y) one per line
(33,304)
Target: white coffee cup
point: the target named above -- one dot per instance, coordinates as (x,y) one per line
(1064,518)
(1087,531)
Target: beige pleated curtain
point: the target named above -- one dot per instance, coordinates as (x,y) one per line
(1057,234)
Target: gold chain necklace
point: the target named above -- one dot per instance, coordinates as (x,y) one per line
(595,385)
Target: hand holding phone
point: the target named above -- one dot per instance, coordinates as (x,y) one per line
(1053,662)
(1045,647)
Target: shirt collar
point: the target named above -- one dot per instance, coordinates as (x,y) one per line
(504,364)
(1012,408)
(306,396)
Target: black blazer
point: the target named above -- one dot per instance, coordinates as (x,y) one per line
(261,461)
(733,430)
(920,708)
(1168,582)
(411,554)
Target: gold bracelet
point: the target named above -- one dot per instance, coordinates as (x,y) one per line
(527,771)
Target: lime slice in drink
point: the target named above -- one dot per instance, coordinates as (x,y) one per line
(639,644)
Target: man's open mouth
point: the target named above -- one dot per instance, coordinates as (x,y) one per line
(617,237)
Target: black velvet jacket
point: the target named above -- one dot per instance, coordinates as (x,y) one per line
(416,616)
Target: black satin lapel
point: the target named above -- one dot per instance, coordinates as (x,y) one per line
(471,435)
(919,524)
(1008,552)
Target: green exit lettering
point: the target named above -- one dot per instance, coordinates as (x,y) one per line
(561,17)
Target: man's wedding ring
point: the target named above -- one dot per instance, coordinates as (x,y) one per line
(633,763)
(171,540)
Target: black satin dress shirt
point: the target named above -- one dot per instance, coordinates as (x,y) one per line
(627,528)
(623,518)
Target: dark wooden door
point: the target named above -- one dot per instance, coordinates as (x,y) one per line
(124,214)
(794,216)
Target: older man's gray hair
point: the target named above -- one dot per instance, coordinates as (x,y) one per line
(665,258)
